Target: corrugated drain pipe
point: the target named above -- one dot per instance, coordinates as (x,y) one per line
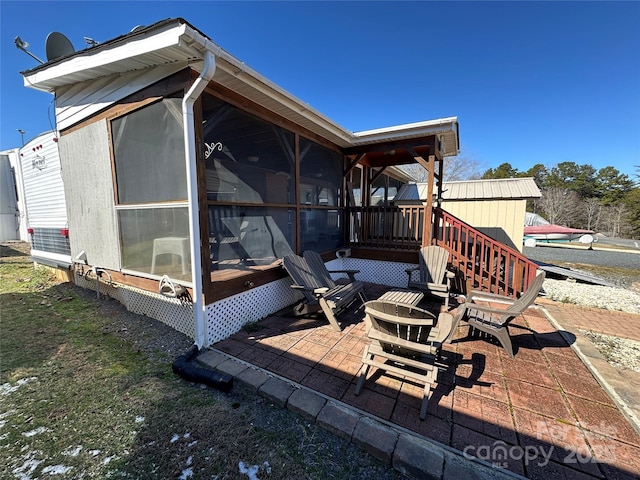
(192,188)
(182,366)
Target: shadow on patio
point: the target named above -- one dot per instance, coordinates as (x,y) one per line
(541,414)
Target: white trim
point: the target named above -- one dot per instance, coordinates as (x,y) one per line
(58,257)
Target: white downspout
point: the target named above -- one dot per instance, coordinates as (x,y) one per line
(192,193)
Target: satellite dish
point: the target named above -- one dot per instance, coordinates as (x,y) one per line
(57,45)
(136,28)
(586,239)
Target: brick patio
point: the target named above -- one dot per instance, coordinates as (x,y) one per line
(544,407)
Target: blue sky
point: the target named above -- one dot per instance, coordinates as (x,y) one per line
(530,82)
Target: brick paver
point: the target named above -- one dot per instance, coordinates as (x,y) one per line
(544,407)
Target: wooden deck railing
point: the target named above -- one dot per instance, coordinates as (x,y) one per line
(480,261)
(398,228)
(485,263)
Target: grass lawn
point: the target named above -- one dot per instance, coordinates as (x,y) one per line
(81,397)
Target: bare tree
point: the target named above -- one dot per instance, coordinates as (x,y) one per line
(592,209)
(559,205)
(615,220)
(455,169)
(461,167)
(417,171)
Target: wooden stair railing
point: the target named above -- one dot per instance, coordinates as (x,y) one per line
(483,262)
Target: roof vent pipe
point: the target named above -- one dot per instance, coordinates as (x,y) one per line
(192,190)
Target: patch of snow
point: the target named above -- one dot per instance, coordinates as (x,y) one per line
(94,453)
(251,471)
(139,419)
(24,471)
(186,473)
(192,443)
(7,388)
(73,453)
(189,460)
(35,431)
(56,470)
(108,459)
(7,413)
(175,438)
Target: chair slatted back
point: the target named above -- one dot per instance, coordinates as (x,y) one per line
(528,297)
(433,264)
(396,326)
(315,262)
(302,274)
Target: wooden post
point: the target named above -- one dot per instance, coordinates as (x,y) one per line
(428,227)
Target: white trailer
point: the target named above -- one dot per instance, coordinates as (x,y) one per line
(10,212)
(46,207)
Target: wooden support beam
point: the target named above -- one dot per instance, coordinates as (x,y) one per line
(375,177)
(353,164)
(427,228)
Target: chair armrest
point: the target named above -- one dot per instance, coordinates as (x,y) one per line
(316,291)
(350,273)
(409,274)
(489,296)
(487,309)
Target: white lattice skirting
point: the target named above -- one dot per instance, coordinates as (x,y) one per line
(227,316)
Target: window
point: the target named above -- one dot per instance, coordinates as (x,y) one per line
(251,188)
(248,160)
(320,187)
(250,177)
(149,154)
(152,209)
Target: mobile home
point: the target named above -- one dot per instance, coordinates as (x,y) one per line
(45,203)
(9,210)
(188,174)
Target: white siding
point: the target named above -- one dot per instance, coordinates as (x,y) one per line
(9,229)
(43,186)
(502,220)
(82,100)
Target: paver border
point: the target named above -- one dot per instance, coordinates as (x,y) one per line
(406,451)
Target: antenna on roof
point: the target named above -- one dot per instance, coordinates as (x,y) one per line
(57,45)
(91,42)
(136,28)
(22,45)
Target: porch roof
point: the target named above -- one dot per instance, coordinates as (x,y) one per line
(493,189)
(175,41)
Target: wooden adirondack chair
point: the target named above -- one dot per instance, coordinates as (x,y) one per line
(434,279)
(319,293)
(317,265)
(495,321)
(405,340)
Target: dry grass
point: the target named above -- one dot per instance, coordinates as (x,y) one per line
(82,396)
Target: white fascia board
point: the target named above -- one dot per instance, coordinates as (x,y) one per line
(429,127)
(57,75)
(193,44)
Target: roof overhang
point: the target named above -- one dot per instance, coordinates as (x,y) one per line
(175,41)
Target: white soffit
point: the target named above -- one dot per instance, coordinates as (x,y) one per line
(175,41)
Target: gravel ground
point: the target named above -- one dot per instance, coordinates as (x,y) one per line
(597,296)
(619,268)
(620,352)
